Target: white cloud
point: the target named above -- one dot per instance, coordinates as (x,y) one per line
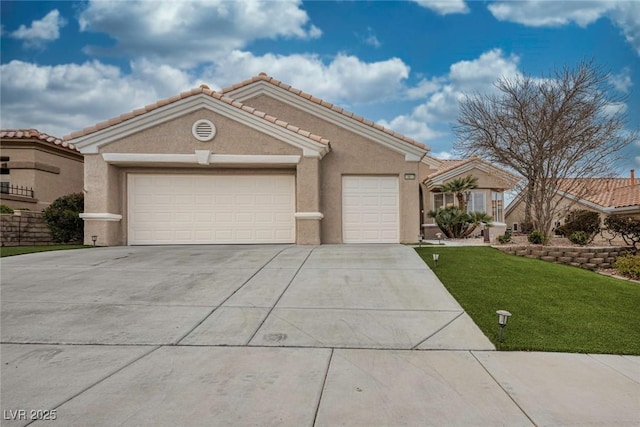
(45,30)
(538,13)
(346,80)
(622,81)
(371,38)
(64,98)
(192,32)
(443,155)
(626,15)
(444,7)
(430,120)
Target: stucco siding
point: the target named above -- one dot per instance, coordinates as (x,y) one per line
(351,154)
(51,172)
(175,137)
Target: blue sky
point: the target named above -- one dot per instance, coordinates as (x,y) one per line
(68,65)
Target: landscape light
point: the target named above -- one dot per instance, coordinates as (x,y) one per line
(503,318)
(436,257)
(94,239)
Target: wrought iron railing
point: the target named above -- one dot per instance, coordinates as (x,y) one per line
(16,190)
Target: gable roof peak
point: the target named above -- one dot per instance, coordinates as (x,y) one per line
(268,79)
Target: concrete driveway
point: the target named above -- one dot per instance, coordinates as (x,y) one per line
(273,335)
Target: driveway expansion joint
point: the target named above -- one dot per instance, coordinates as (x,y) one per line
(229,297)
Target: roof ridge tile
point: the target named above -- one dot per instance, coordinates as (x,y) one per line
(186,94)
(36,134)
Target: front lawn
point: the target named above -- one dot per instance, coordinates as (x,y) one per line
(555,307)
(19,250)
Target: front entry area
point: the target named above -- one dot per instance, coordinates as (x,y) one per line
(210,209)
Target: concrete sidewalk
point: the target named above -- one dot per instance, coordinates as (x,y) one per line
(274,335)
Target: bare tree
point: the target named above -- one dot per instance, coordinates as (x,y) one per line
(567,125)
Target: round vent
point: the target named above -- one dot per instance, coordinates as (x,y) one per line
(203,130)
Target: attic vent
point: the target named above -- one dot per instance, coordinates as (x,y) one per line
(203,130)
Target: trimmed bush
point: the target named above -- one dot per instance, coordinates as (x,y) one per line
(505,238)
(580,238)
(629,266)
(626,227)
(63,219)
(537,237)
(5,209)
(582,221)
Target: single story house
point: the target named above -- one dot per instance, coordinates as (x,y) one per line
(258,162)
(37,168)
(607,196)
(487,197)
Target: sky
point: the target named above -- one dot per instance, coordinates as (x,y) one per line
(68,65)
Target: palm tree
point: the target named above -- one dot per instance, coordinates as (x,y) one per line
(477,218)
(459,187)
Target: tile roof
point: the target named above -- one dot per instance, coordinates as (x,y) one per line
(266,78)
(605,192)
(203,89)
(35,134)
(450,164)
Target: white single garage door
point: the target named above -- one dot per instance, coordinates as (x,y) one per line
(370,209)
(205,209)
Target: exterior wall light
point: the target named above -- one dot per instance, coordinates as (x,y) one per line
(436,257)
(503,318)
(94,239)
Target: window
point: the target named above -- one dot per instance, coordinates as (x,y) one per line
(497,203)
(476,202)
(4,175)
(515,226)
(442,200)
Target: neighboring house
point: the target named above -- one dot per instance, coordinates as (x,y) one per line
(487,197)
(258,162)
(37,169)
(603,195)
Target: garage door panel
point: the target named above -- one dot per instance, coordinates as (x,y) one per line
(183,209)
(370,209)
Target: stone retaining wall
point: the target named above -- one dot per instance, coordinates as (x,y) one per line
(24,228)
(591,258)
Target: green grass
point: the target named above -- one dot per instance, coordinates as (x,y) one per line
(555,307)
(20,250)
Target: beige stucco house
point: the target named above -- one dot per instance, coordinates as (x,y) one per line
(487,197)
(607,196)
(37,168)
(258,162)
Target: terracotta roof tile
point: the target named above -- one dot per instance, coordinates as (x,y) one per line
(605,192)
(266,78)
(203,89)
(35,134)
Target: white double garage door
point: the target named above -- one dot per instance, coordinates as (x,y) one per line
(245,209)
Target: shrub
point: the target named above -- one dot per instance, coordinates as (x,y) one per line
(581,220)
(629,266)
(580,238)
(5,209)
(62,218)
(455,223)
(537,237)
(504,238)
(626,227)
